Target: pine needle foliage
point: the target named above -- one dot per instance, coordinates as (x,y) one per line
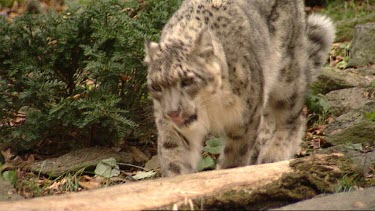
(77,74)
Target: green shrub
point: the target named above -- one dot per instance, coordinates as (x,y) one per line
(77,75)
(318,107)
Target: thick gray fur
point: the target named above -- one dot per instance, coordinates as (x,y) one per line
(238,69)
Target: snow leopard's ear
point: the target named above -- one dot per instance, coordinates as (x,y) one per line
(203,45)
(151,49)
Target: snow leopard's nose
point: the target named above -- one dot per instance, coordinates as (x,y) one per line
(176,117)
(174,114)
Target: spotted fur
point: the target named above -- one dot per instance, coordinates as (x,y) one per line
(237,69)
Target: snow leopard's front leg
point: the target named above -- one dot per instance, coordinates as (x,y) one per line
(282,128)
(240,140)
(177,154)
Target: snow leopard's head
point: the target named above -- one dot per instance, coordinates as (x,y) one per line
(183,76)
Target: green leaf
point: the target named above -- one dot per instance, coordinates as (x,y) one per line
(214,142)
(213,150)
(214,146)
(342,65)
(317,103)
(107,168)
(10,176)
(140,175)
(206,163)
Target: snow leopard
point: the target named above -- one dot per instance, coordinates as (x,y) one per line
(238,69)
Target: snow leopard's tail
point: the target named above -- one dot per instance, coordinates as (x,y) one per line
(320,33)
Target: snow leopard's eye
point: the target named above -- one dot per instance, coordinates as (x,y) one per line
(187,82)
(155,88)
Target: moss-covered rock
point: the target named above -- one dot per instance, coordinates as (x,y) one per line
(361,132)
(363,47)
(333,79)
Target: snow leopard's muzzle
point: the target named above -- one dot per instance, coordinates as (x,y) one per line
(182,119)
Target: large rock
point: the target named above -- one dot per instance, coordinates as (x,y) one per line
(363,46)
(82,158)
(352,133)
(349,107)
(354,200)
(344,100)
(349,119)
(362,132)
(333,79)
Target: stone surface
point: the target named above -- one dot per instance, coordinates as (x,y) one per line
(349,107)
(355,200)
(362,157)
(333,79)
(76,160)
(153,163)
(351,133)
(361,132)
(8,192)
(363,45)
(345,100)
(349,119)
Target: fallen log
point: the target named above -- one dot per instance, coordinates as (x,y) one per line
(232,188)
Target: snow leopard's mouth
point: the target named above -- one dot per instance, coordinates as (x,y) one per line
(191,119)
(184,122)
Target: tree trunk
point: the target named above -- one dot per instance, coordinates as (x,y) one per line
(257,186)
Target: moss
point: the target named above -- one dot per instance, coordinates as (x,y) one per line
(362,132)
(345,27)
(312,176)
(330,79)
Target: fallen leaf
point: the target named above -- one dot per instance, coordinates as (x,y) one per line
(86,177)
(89,185)
(330,120)
(57,184)
(7,154)
(107,168)
(144,175)
(43,181)
(109,161)
(309,135)
(30,159)
(79,96)
(117,179)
